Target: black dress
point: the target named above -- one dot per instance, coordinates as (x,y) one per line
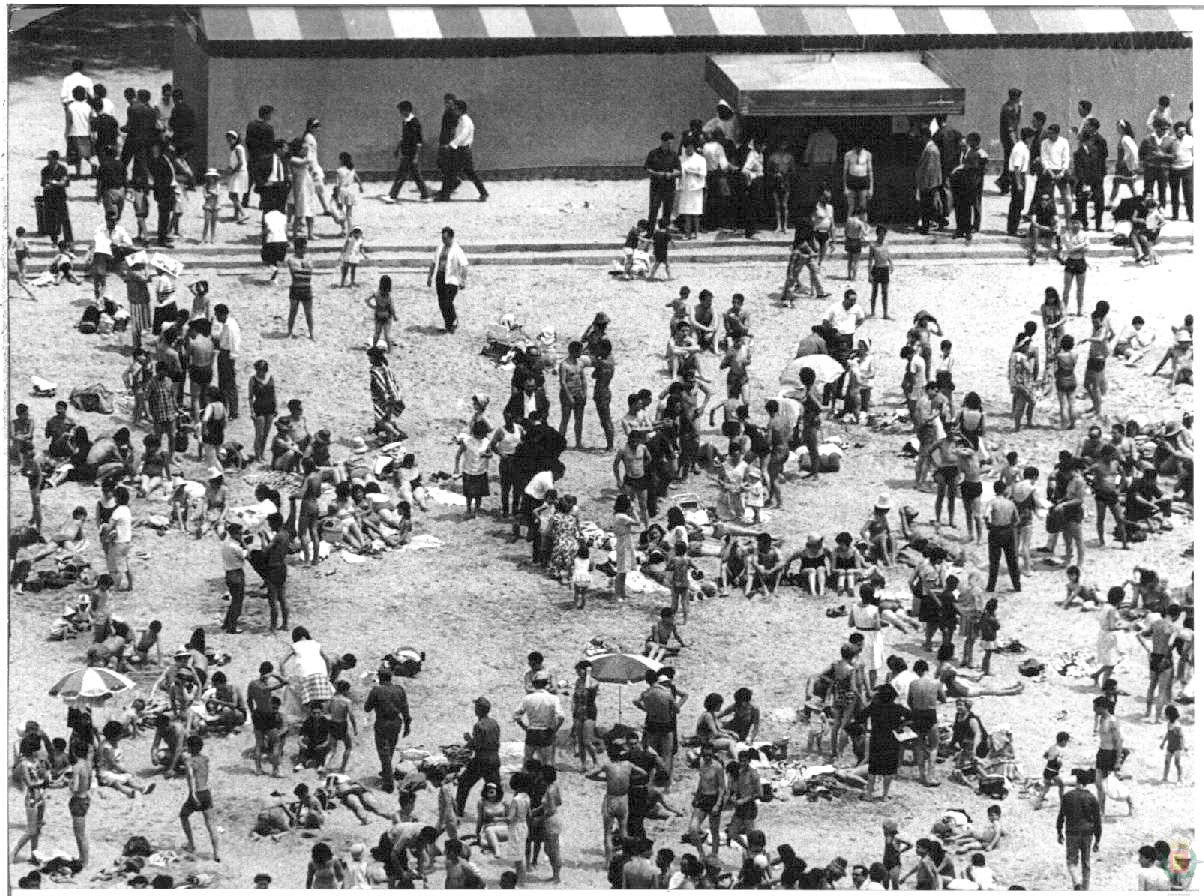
(884,718)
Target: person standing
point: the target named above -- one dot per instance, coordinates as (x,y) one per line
(75,79)
(571,374)
(1055,166)
(460,147)
(200,799)
(446,157)
(1002,519)
(928,186)
(141,130)
(1016,174)
(54,199)
(1011,114)
(449,271)
(407,154)
(388,701)
(182,132)
(1079,826)
(949,143)
(1182,164)
(485,764)
(229,346)
(163,178)
(80,799)
(858,176)
(300,290)
(1090,167)
(1155,154)
(664,168)
(234,557)
(275,557)
(260,140)
(540,716)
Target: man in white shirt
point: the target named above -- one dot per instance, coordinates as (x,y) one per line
(821,148)
(1018,164)
(1055,164)
(449,273)
(844,317)
(77,78)
(228,334)
(106,240)
(1183,156)
(540,716)
(275,239)
(117,544)
(1134,341)
(1151,876)
(461,149)
(1161,112)
(79,130)
(715,208)
(753,174)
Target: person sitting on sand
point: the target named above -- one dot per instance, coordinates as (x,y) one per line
(109,769)
(961,683)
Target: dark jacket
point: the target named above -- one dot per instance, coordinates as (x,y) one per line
(260,139)
(411,138)
(163,177)
(183,126)
(141,124)
(514,406)
(447,126)
(948,140)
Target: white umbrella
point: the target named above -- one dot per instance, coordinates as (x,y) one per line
(91,683)
(827,370)
(621,669)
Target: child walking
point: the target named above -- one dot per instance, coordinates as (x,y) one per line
(1173,743)
(352,256)
(582,567)
(20,247)
(346,179)
(660,251)
(988,633)
(342,723)
(212,198)
(881,266)
(383,312)
(856,229)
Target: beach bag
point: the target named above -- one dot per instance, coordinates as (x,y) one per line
(95,398)
(137,846)
(89,321)
(1031,668)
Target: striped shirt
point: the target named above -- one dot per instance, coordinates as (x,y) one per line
(161,400)
(302,271)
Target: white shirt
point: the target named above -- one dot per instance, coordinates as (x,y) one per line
(465,132)
(538,487)
(308,653)
(984,877)
(103,241)
(123,523)
(716,158)
(845,321)
(230,336)
(1185,152)
(1055,154)
(754,165)
(901,683)
(73,80)
(821,148)
(1128,146)
(456,268)
(693,172)
(107,107)
(81,118)
(277,226)
(1156,113)
(1153,878)
(1019,158)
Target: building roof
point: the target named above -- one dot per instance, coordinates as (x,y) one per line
(293,24)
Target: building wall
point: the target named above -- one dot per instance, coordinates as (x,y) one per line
(608,109)
(191,74)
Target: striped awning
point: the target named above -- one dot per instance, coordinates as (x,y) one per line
(375,23)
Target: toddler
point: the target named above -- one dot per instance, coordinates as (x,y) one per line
(139,197)
(582,567)
(345,180)
(1174,745)
(61,264)
(212,197)
(383,312)
(988,633)
(656,648)
(20,247)
(754,493)
(352,256)
(678,569)
(855,231)
(660,251)
(630,244)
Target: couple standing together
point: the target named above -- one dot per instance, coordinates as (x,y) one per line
(456,136)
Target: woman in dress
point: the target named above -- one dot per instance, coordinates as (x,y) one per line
(885,717)
(518,819)
(693,189)
(301,198)
(1126,161)
(310,144)
(213,428)
(313,667)
(261,393)
(564,531)
(625,525)
(867,620)
(239,183)
(386,395)
(1107,644)
(472,460)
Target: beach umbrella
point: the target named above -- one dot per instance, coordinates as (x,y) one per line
(827,369)
(621,669)
(91,683)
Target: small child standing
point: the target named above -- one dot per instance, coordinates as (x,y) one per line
(893,847)
(61,265)
(856,229)
(678,569)
(212,198)
(542,547)
(179,208)
(139,196)
(880,269)
(352,256)
(660,252)
(754,493)
(342,723)
(988,632)
(383,312)
(1051,775)
(582,567)
(1174,745)
(663,631)
(943,371)
(345,180)
(20,247)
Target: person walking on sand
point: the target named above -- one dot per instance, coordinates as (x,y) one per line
(407,154)
(200,799)
(1079,827)
(449,271)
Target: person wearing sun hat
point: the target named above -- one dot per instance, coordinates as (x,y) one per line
(877,532)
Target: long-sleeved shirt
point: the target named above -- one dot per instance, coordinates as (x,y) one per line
(389,703)
(411,137)
(1055,154)
(716,158)
(1079,814)
(541,710)
(230,337)
(465,133)
(821,148)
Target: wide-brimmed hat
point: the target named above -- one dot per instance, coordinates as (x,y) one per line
(883,502)
(358,445)
(322,435)
(1171,427)
(814,538)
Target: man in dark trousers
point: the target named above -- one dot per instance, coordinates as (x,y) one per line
(664,168)
(392,710)
(182,127)
(446,157)
(1011,114)
(260,139)
(1002,520)
(141,130)
(462,164)
(54,198)
(163,179)
(407,152)
(949,142)
(1035,168)
(485,764)
(1079,827)
(1090,162)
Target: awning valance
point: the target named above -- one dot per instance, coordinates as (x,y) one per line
(834,84)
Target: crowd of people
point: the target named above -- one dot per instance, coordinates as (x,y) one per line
(869,713)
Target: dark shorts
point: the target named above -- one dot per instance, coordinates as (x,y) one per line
(1075,265)
(1160,662)
(300,295)
(78,805)
(1107,495)
(201,801)
(923,721)
(338,731)
(706,802)
(273,253)
(945,475)
(1078,846)
(971,490)
(542,738)
(857,182)
(1105,760)
(261,721)
(880,275)
(639,483)
(852,247)
(1095,364)
(1050,775)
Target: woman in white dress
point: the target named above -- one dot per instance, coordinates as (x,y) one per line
(301,198)
(867,620)
(239,183)
(1108,652)
(310,141)
(693,188)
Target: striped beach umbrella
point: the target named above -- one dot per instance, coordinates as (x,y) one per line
(90,683)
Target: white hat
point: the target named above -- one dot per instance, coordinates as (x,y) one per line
(883,502)
(212,172)
(214,472)
(358,445)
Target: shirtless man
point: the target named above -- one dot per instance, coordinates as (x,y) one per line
(196,768)
(1161,632)
(858,177)
(709,798)
(81,798)
(619,775)
(1110,744)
